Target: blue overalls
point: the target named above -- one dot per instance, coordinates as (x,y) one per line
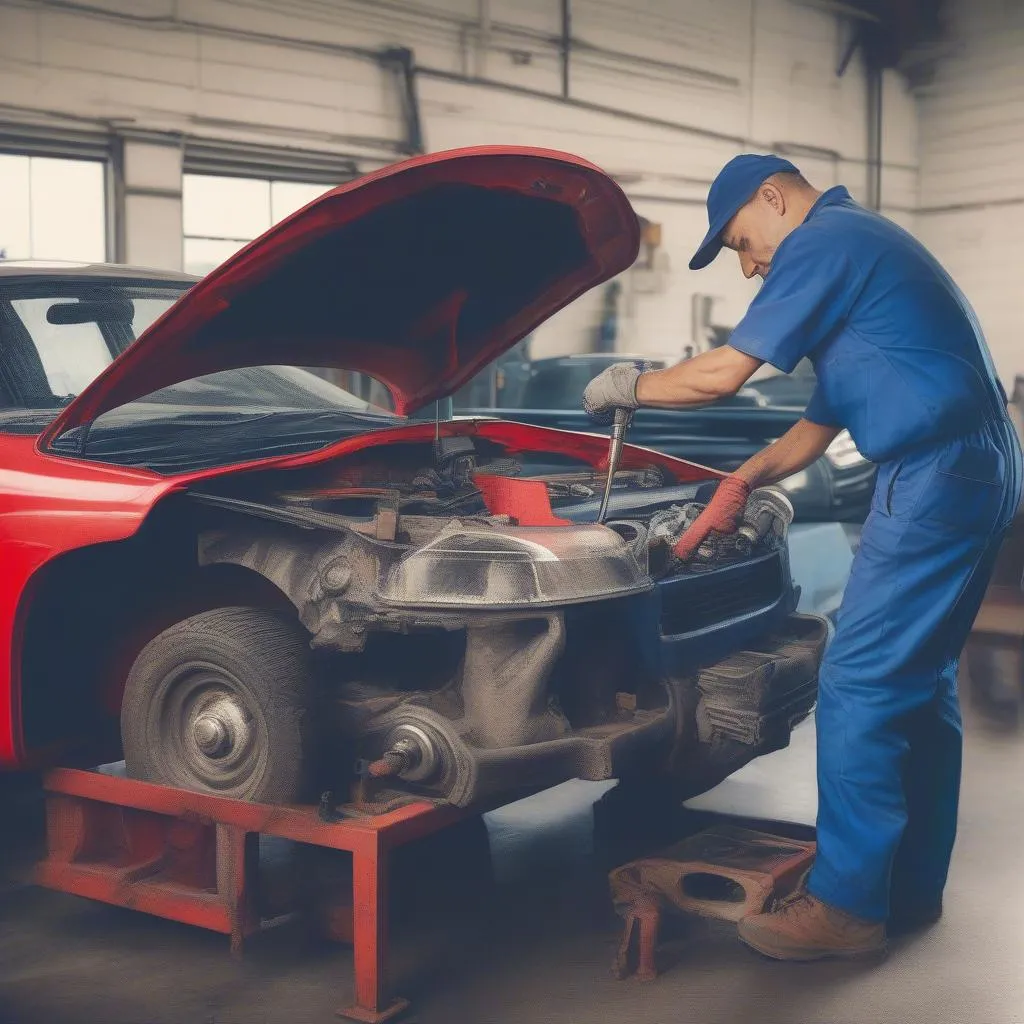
(901,363)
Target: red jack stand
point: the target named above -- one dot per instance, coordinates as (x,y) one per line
(192,857)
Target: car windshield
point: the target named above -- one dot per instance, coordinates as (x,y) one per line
(57,336)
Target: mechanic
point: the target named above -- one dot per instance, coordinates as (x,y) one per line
(901,363)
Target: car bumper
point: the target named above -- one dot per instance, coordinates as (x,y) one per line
(706,616)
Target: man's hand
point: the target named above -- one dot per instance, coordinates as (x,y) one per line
(795,450)
(722,515)
(614,388)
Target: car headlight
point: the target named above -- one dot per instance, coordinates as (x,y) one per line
(470,566)
(842,452)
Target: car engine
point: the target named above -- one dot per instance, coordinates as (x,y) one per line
(477,629)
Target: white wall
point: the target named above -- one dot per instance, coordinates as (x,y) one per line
(972,170)
(761,76)
(706,79)
(208,67)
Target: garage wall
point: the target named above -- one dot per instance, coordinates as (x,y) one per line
(717,77)
(661,93)
(255,72)
(972,185)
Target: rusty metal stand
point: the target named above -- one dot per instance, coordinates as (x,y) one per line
(724,872)
(192,857)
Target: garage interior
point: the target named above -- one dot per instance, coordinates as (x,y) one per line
(171,133)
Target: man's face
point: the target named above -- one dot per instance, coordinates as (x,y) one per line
(757,231)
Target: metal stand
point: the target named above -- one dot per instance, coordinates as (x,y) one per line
(724,872)
(193,858)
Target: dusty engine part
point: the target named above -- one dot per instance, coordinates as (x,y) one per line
(466,773)
(504,682)
(412,755)
(671,523)
(766,518)
(462,656)
(528,700)
(480,564)
(569,489)
(756,698)
(636,536)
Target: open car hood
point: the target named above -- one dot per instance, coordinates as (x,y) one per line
(418,274)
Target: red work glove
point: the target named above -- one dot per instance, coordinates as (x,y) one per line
(721,515)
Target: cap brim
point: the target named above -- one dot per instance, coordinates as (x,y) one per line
(712,244)
(709,249)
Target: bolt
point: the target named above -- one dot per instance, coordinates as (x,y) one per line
(210,734)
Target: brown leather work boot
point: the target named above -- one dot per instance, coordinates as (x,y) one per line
(804,928)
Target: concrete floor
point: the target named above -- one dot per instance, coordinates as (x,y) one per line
(538,948)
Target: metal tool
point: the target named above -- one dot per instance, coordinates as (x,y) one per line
(623,418)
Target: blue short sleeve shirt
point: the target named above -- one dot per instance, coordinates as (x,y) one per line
(897,350)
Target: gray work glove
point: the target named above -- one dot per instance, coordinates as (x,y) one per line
(614,388)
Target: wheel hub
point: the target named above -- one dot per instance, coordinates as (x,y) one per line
(211,735)
(220,728)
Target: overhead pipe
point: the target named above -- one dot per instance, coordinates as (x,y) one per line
(548,39)
(597,108)
(483,43)
(403,62)
(566,45)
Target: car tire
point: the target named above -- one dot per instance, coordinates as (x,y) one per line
(218,703)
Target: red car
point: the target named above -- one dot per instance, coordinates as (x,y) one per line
(225,566)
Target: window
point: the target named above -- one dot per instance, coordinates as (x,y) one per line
(221,214)
(52,209)
(72,355)
(57,336)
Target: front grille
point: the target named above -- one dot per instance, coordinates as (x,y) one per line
(697,602)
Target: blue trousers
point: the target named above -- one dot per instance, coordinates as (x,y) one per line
(888,717)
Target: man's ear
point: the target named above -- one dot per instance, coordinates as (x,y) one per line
(772,195)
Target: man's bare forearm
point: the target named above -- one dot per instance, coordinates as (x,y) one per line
(697,381)
(802,444)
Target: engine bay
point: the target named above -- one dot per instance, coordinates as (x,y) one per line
(476,624)
(414,495)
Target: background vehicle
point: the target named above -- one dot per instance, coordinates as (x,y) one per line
(546,392)
(247,577)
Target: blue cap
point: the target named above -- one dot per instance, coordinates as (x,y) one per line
(735,185)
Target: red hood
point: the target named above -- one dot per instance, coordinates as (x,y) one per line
(419,275)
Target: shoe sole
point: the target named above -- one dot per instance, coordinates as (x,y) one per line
(812,955)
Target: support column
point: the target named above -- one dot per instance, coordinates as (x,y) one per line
(147,198)
(566,45)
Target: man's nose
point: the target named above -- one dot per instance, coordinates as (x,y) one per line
(747,265)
